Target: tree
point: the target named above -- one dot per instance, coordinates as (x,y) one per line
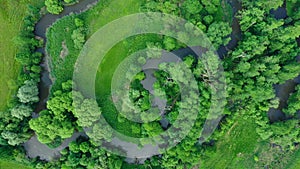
(218,33)
(15,138)
(191,7)
(70,1)
(249,17)
(87,113)
(293,102)
(48,127)
(169,43)
(28,93)
(78,22)
(54,6)
(21,111)
(78,37)
(58,121)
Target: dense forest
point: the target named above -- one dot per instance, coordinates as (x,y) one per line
(255,44)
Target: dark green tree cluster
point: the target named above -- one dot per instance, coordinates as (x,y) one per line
(187,153)
(138,95)
(14,126)
(18,116)
(28,43)
(78,34)
(57,122)
(82,154)
(266,56)
(293,9)
(293,103)
(57,6)
(204,14)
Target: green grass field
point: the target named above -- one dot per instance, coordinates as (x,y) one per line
(294,162)
(291,7)
(235,149)
(11,13)
(12,165)
(11,19)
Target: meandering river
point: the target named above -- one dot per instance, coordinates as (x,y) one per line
(34,148)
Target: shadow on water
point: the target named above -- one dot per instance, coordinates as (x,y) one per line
(283,91)
(236,30)
(280,13)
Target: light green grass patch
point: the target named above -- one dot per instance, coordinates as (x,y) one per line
(235,149)
(292,7)
(12,165)
(11,19)
(294,162)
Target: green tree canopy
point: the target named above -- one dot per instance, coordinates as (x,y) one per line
(28,93)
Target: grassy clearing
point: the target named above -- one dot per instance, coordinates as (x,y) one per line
(292,7)
(7,160)
(241,147)
(294,162)
(12,165)
(236,149)
(11,18)
(59,34)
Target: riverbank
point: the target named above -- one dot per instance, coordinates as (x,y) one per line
(33,147)
(40,30)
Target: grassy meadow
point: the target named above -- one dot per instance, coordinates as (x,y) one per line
(11,19)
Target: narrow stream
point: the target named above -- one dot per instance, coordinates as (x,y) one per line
(236,30)
(282,91)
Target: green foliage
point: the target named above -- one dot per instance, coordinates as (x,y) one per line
(285,134)
(48,127)
(293,9)
(191,7)
(78,34)
(21,111)
(70,1)
(13,138)
(250,17)
(265,56)
(54,6)
(218,33)
(86,111)
(293,102)
(58,121)
(78,38)
(28,93)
